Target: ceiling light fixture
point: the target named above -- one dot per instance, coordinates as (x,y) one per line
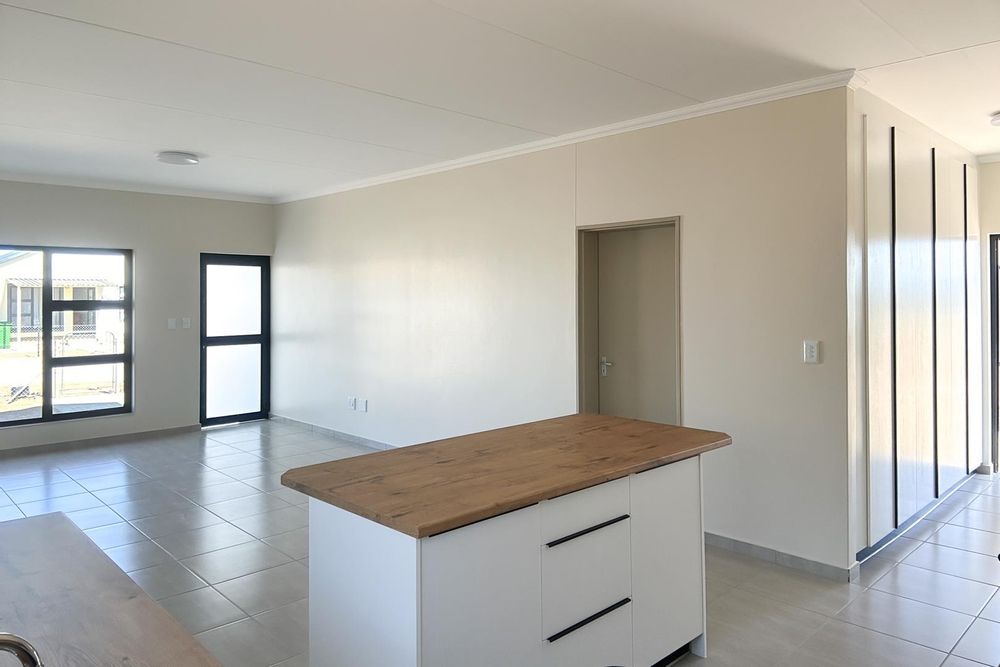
(178,157)
(995,118)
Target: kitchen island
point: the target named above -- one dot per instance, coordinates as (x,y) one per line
(573,541)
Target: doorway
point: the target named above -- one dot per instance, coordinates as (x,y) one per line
(994,347)
(235,338)
(629,320)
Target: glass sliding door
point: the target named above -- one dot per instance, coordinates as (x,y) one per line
(235,338)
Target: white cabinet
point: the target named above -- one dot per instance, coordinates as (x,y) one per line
(608,576)
(668,583)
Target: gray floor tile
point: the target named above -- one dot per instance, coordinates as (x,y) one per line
(839,644)
(802,590)
(956,562)
(94,517)
(267,483)
(301,660)
(873,569)
(898,549)
(981,643)
(248,506)
(133,492)
(235,561)
(97,470)
(992,609)
(138,555)
(269,589)
(920,623)
(290,496)
(216,493)
(976,519)
(274,523)
(35,493)
(176,522)
(289,623)
(21,481)
(941,590)
(955,661)
(923,530)
(294,543)
(10,513)
(244,644)
(166,579)
(79,501)
(114,480)
(202,609)
(115,535)
(147,507)
(986,504)
(203,540)
(968,539)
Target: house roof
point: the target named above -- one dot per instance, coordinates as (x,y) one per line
(12,255)
(61,282)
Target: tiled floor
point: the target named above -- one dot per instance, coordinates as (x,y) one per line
(201,522)
(929,598)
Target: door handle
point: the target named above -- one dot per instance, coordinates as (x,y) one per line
(604,365)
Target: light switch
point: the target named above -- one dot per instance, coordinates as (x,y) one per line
(352,403)
(171,323)
(362,405)
(810,351)
(186,322)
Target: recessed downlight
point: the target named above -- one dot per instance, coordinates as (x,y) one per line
(178,157)
(995,118)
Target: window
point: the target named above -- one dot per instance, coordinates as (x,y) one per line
(66,333)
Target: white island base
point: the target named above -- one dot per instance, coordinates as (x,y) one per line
(610,575)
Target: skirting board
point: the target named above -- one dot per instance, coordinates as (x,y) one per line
(100,440)
(781,558)
(365,442)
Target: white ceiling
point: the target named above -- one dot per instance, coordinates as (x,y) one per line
(289,99)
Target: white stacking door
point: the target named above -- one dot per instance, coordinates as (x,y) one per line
(914,289)
(878,214)
(950,319)
(975,333)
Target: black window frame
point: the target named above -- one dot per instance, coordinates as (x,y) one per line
(52,306)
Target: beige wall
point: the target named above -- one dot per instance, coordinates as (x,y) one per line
(449,301)
(167,234)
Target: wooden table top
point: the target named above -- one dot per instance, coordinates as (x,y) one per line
(65,596)
(427,489)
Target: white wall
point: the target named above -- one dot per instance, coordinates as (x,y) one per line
(449,302)
(167,234)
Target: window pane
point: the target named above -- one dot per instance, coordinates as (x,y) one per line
(20,335)
(88,332)
(232,379)
(87,277)
(86,388)
(232,300)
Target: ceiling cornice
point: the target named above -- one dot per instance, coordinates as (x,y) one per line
(988,159)
(847,78)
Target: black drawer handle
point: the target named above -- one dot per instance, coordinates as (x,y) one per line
(589,619)
(585,531)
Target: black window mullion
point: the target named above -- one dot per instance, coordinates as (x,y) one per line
(127,343)
(90,360)
(46,334)
(84,304)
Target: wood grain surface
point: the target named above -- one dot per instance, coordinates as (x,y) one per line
(66,597)
(437,486)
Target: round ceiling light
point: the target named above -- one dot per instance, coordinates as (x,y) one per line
(178,157)
(995,118)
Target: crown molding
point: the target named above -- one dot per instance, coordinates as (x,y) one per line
(116,186)
(847,78)
(988,159)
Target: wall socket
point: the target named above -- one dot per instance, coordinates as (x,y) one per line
(352,402)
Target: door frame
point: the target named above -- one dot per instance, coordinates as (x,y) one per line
(994,375)
(586,319)
(263,338)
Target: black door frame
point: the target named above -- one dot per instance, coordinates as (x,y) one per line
(994,345)
(263,338)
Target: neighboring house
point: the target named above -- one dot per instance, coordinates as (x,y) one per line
(21,298)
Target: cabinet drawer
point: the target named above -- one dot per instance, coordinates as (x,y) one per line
(584,575)
(580,510)
(604,642)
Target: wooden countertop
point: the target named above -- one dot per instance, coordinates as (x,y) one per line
(66,597)
(437,486)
